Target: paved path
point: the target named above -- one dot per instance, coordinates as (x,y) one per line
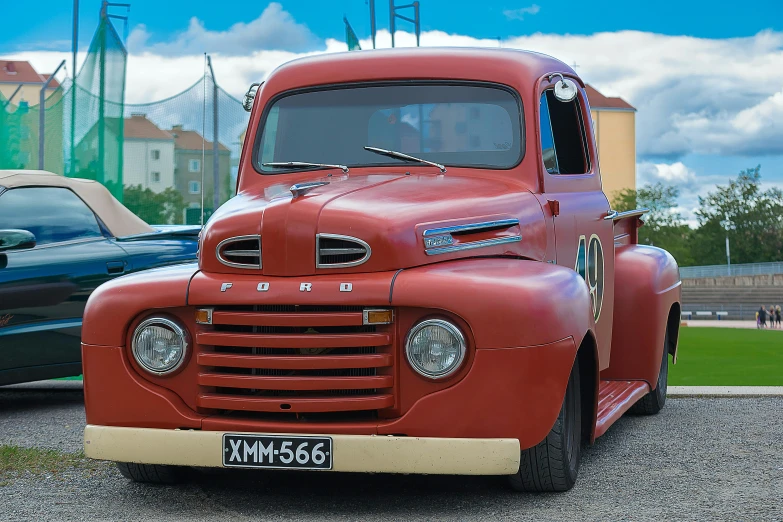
(727,324)
(725,391)
(699,459)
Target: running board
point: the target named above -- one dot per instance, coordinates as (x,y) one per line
(614,399)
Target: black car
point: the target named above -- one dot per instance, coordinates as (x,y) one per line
(59,239)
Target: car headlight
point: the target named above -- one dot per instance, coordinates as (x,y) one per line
(435,348)
(159,345)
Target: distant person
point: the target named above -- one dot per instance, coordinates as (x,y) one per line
(762,317)
(777,316)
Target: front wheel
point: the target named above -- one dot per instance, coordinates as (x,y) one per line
(150,473)
(553,464)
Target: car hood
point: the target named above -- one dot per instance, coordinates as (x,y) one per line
(390,213)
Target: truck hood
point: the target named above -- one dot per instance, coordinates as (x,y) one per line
(390,214)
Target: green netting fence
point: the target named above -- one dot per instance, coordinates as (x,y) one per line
(160,159)
(170,151)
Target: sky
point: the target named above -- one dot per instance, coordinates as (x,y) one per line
(705,76)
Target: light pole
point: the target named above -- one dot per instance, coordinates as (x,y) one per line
(727,225)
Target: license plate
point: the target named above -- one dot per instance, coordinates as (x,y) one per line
(276,452)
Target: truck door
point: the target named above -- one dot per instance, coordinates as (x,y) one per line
(584,236)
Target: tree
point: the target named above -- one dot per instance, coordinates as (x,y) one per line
(751,218)
(161,208)
(663,226)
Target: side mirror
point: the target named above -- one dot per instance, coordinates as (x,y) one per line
(11,239)
(565,88)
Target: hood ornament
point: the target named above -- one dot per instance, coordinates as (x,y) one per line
(300,189)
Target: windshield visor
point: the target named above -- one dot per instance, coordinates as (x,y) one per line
(453,124)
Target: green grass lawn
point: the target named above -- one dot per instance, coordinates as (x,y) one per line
(728,357)
(722,357)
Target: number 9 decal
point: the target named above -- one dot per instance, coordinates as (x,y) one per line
(590,265)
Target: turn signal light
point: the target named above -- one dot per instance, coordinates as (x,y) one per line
(377,317)
(204,316)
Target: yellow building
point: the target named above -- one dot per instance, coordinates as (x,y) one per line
(20,74)
(19,141)
(614,123)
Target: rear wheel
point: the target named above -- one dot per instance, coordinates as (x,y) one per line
(150,473)
(553,464)
(654,401)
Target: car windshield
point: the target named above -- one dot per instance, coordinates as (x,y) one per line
(454,124)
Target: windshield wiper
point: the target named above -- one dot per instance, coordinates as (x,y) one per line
(284,164)
(395,154)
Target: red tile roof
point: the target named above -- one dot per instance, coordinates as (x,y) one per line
(15,71)
(599,101)
(53,84)
(192,140)
(139,127)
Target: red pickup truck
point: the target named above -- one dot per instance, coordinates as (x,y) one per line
(420,273)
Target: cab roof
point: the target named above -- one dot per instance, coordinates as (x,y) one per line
(508,66)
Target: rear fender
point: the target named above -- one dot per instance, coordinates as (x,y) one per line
(648,292)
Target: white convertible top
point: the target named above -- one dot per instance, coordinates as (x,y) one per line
(119,220)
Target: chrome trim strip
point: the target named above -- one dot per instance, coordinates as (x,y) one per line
(244,253)
(339,251)
(471,227)
(472,245)
(368,251)
(234,240)
(627,214)
(300,189)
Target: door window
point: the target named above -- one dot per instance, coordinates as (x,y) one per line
(52,214)
(563,139)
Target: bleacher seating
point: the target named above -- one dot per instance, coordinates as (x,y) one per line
(740,296)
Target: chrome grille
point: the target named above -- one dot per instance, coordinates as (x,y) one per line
(336,251)
(240,252)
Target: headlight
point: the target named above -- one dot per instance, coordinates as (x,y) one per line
(435,348)
(159,345)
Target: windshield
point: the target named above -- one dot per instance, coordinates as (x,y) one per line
(454,124)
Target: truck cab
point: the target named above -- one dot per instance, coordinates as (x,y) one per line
(420,273)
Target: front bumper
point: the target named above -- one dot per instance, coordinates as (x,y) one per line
(352,453)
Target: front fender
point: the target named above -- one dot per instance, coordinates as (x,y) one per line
(114,305)
(507,302)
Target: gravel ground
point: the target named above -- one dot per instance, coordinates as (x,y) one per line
(699,459)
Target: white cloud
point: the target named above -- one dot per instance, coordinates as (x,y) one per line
(693,95)
(275,28)
(667,173)
(519,14)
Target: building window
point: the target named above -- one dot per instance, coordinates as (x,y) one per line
(155,154)
(194,187)
(156,177)
(194,165)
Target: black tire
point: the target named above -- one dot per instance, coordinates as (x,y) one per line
(654,401)
(553,464)
(150,473)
